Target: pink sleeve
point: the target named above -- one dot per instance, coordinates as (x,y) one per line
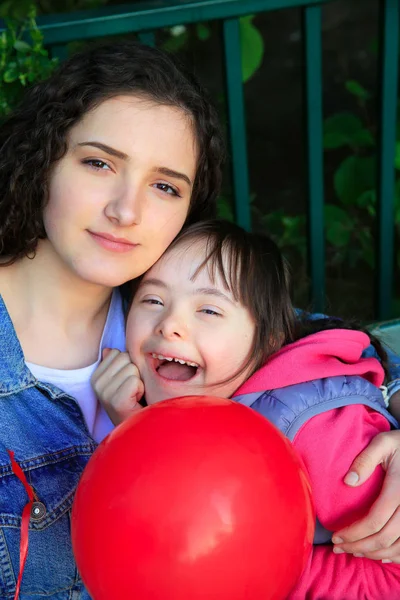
(328,445)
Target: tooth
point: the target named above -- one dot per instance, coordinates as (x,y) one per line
(192,364)
(168,358)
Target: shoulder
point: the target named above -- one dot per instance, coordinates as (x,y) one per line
(317,391)
(292,406)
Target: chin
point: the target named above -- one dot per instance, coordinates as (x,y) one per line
(104,277)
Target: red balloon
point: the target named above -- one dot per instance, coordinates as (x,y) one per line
(194,498)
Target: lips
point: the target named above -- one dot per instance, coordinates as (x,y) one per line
(174,370)
(112,243)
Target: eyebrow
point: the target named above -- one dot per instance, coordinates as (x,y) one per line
(212,292)
(107,149)
(154,281)
(199,291)
(171,173)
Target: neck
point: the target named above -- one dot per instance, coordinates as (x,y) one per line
(40,287)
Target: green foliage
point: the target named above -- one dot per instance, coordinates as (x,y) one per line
(351,215)
(345,129)
(357,90)
(23,59)
(224,209)
(252,45)
(354,176)
(350,222)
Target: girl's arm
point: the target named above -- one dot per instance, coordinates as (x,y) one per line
(328,444)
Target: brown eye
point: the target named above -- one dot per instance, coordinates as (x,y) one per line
(96,164)
(167,189)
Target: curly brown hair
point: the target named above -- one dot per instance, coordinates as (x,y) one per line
(34,136)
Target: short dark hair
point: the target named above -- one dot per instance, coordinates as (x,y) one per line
(34,136)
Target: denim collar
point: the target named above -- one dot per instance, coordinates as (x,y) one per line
(14,374)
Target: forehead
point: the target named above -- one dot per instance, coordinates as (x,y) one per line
(180,266)
(136,125)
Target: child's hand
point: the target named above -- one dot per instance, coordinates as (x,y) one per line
(118,386)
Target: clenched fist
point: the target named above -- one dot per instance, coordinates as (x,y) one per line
(118,386)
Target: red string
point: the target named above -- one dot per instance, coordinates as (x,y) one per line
(26,515)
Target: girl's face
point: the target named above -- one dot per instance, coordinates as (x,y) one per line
(177,319)
(122,192)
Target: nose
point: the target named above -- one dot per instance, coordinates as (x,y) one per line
(172,327)
(125,208)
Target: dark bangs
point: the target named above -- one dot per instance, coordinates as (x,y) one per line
(253,270)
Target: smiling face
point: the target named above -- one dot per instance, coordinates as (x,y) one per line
(121,193)
(177,318)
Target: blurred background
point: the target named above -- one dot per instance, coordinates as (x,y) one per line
(272,60)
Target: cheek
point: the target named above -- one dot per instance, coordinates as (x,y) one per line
(137,332)
(63,206)
(166,221)
(132,333)
(54,216)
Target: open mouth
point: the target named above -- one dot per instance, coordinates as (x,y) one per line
(174,369)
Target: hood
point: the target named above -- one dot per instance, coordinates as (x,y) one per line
(329,353)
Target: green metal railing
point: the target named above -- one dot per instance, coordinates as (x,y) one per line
(145,18)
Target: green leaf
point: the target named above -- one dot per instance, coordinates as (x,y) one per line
(363,138)
(176,41)
(21,46)
(203,32)
(6,8)
(11,74)
(397,156)
(15,9)
(252,47)
(357,90)
(338,225)
(354,176)
(224,209)
(368,200)
(345,129)
(366,241)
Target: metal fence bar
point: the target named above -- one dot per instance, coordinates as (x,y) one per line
(237,122)
(148,38)
(313,76)
(150,15)
(386,182)
(59,51)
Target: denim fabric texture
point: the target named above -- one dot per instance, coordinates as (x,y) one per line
(46,430)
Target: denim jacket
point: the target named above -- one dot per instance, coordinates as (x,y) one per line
(46,430)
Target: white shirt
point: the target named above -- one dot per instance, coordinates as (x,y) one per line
(76,382)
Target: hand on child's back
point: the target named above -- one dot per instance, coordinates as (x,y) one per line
(117,385)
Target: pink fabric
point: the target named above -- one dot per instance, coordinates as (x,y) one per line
(328,444)
(339,436)
(323,354)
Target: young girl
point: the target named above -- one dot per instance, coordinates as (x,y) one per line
(214,316)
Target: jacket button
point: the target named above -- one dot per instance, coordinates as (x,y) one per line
(38,511)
